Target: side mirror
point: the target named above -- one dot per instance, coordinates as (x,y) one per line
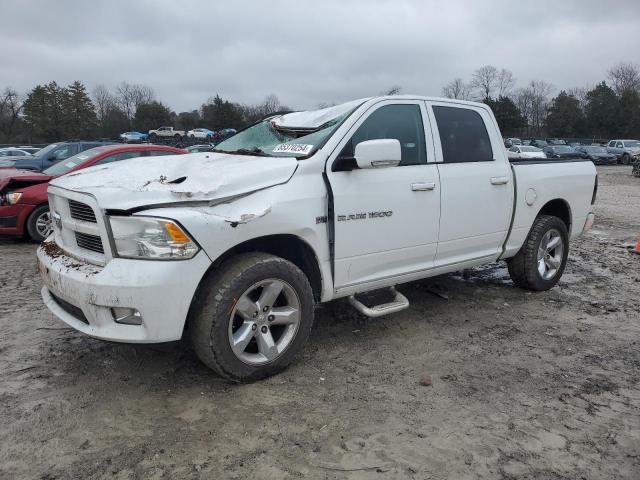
(52,158)
(378,153)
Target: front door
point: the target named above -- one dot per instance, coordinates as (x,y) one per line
(386,219)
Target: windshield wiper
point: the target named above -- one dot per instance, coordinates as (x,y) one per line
(255,151)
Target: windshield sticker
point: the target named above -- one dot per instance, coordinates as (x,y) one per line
(299,148)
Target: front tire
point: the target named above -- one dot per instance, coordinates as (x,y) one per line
(542,259)
(626,159)
(251,316)
(39,225)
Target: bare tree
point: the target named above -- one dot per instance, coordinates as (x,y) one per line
(393,90)
(131,96)
(485,81)
(458,89)
(580,93)
(505,82)
(104,101)
(625,76)
(11,104)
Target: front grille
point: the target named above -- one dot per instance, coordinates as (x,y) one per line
(89,242)
(70,309)
(81,211)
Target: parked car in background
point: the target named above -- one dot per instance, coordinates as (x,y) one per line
(598,155)
(526,142)
(223,134)
(627,151)
(200,148)
(556,141)
(133,137)
(24,208)
(299,209)
(538,142)
(575,144)
(12,152)
(201,134)
(166,132)
(510,142)
(525,151)
(30,149)
(559,151)
(50,155)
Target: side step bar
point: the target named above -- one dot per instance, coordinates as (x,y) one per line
(400,302)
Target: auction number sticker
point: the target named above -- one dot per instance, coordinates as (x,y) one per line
(298,148)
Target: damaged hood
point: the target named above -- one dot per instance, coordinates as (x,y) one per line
(11,178)
(153,181)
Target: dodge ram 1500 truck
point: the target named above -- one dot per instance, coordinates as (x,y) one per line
(234,247)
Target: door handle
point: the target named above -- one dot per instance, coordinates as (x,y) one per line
(499,180)
(423,187)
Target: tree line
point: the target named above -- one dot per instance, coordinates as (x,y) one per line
(51,112)
(611,108)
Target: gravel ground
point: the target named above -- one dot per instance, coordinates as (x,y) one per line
(523,385)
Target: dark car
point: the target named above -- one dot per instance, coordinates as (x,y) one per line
(598,155)
(560,151)
(24,206)
(538,142)
(50,155)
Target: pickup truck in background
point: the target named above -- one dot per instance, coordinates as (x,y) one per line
(627,151)
(234,247)
(166,132)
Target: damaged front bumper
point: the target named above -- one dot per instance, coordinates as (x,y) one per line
(92,299)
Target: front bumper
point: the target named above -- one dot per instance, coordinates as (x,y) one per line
(82,295)
(13,218)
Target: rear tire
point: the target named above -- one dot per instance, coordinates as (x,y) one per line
(542,259)
(37,224)
(233,303)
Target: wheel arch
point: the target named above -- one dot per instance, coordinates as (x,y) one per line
(287,246)
(558,208)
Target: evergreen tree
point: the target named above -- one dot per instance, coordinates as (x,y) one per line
(150,116)
(565,118)
(629,114)
(79,112)
(602,111)
(507,114)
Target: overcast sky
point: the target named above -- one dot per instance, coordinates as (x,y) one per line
(309,52)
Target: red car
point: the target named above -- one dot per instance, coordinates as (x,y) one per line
(24,207)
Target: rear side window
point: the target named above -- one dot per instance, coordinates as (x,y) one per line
(463,135)
(400,122)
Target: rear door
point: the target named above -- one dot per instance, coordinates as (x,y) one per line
(386,219)
(476,193)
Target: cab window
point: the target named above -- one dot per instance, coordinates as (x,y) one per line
(463,135)
(400,122)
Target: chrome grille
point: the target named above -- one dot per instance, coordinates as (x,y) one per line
(81,211)
(89,242)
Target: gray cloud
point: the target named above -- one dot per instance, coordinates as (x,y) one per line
(309,52)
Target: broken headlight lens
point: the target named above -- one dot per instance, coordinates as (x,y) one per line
(151,238)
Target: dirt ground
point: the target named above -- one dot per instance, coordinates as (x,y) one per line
(524,385)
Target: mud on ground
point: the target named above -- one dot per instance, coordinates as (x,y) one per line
(524,385)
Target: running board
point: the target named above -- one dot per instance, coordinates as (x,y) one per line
(400,302)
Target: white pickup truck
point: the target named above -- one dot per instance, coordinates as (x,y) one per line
(235,247)
(166,132)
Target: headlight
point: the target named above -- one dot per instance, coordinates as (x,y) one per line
(151,238)
(11,198)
